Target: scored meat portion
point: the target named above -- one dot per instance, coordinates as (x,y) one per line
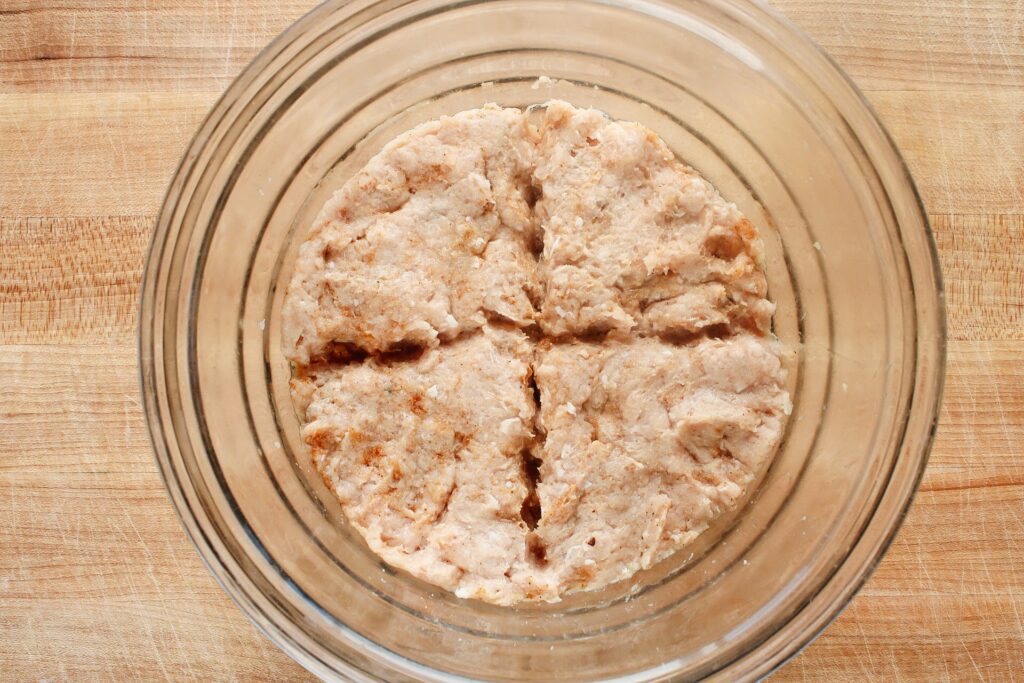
(533,360)
(645,444)
(425,458)
(431,238)
(634,240)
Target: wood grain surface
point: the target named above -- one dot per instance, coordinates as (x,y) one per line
(97,102)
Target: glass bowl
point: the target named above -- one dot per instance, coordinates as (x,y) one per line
(740,95)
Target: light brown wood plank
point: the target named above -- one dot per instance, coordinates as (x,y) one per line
(973,45)
(77,154)
(108,45)
(87,292)
(114,46)
(90,294)
(88,532)
(946,602)
(965,150)
(97,579)
(983,271)
(114,153)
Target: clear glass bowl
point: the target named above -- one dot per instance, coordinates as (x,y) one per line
(739,94)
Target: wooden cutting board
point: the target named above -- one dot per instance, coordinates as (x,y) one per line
(97,102)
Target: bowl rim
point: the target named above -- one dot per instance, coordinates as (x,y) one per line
(160,439)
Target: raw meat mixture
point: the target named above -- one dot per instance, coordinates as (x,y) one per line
(531,360)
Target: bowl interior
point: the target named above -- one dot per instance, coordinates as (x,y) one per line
(738,95)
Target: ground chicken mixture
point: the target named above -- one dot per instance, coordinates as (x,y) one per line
(532,359)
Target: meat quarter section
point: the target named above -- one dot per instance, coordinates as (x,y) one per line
(430,239)
(425,458)
(646,444)
(634,240)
